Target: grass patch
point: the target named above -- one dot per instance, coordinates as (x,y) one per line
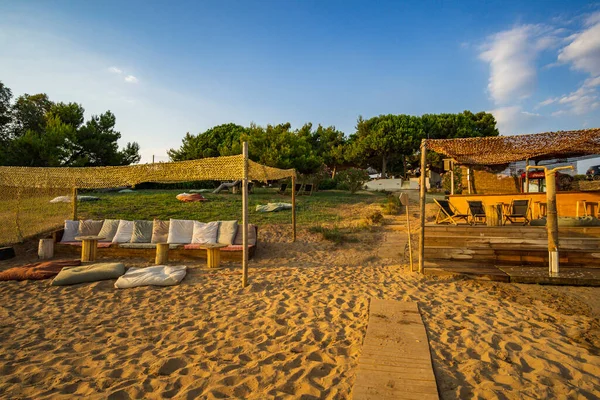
(162,204)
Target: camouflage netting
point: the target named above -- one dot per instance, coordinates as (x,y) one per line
(507,149)
(25,193)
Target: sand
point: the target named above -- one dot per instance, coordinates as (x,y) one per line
(294,332)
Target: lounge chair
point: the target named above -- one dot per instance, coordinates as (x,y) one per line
(448,213)
(282,188)
(518,210)
(308,188)
(298,188)
(476,212)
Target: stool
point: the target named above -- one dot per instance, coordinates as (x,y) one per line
(46,249)
(162,253)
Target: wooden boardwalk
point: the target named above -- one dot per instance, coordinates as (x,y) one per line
(395,362)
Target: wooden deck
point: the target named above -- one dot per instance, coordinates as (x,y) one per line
(395,362)
(512,253)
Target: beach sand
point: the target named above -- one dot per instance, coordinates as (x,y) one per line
(295,332)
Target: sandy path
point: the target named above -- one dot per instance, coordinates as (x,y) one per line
(295,332)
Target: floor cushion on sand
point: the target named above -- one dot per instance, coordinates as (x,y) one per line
(88,273)
(37,271)
(159,275)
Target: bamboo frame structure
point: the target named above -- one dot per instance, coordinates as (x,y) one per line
(293,208)
(238,167)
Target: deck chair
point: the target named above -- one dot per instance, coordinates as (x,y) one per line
(308,188)
(298,188)
(476,212)
(448,213)
(519,210)
(282,188)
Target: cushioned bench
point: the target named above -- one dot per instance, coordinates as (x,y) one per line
(177,251)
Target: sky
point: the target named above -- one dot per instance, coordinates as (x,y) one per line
(167,68)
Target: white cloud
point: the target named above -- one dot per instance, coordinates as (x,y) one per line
(115,70)
(514,120)
(583,51)
(131,79)
(592,82)
(511,55)
(547,102)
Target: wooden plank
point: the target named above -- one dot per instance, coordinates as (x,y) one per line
(396,361)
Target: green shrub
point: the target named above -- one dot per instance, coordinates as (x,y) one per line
(353,179)
(392,205)
(335,234)
(327,184)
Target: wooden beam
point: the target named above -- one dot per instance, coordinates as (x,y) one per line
(74,196)
(422,193)
(245,217)
(294,208)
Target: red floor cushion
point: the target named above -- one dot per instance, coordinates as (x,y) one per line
(37,271)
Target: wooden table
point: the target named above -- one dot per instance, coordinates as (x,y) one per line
(213,253)
(89,247)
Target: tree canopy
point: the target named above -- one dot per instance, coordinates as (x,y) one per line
(34,131)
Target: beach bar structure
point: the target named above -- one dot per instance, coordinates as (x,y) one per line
(24,191)
(482,245)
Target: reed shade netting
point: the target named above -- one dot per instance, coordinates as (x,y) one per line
(217,168)
(25,192)
(507,149)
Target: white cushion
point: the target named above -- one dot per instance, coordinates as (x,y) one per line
(124,232)
(180,231)
(71,230)
(205,233)
(160,275)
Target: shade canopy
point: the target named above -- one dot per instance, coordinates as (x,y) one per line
(507,149)
(216,168)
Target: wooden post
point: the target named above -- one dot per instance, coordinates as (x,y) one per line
(245,217)
(422,193)
(294,208)
(162,254)
(74,195)
(526,176)
(46,249)
(552,222)
(469,179)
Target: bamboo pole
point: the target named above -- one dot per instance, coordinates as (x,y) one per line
(422,192)
(74,195)
(245,217)
(410,255)
(526,176)
(293,208)
(452,177)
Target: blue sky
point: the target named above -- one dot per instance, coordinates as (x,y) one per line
(167,68)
